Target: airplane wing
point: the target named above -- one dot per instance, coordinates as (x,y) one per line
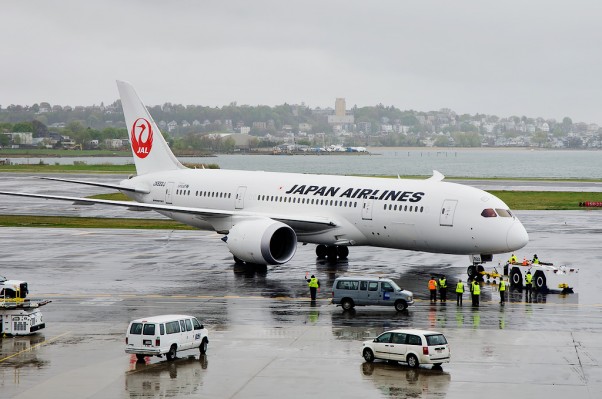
(105,185)
(203,212)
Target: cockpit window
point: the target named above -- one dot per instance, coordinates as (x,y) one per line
(488,213)
(503,213)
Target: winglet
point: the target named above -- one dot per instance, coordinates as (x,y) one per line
(149,148)
(437,176)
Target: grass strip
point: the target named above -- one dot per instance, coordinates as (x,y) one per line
(88,222)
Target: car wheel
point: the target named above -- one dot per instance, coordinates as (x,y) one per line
(347,304)
(172,353)
(401,305)
(540,281)
(368,355)
(140,358)
(515,278)
(412,361)
(203,347)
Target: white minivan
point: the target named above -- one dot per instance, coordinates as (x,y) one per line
(165,335)
(412,346)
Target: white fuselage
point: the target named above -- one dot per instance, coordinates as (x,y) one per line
(423,215)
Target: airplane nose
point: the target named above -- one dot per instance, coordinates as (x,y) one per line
(517,237)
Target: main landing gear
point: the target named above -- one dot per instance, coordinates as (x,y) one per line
(332,252)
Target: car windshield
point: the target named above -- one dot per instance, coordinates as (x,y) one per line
(437,339)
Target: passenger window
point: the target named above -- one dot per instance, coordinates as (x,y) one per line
(398,338)
(363,285)
(162,328)
(172,327)
(386,337)
(188,325)
(149,329)
(182,325)
(347,285)
(488,213)
(386,287)
(196,324)
(136,328)
(414,340)
(373,286)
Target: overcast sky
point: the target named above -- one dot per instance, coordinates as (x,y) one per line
(512,57)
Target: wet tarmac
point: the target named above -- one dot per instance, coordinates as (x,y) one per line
(268,340)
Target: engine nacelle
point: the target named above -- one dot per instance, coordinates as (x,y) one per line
(262,241)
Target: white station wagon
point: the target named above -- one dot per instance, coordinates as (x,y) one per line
(165,335)
(414,347)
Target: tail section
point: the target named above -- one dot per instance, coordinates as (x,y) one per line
(149,148)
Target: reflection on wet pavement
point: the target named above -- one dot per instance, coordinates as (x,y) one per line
(267,338)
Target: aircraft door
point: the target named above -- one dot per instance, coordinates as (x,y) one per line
(240,197)
(168,192)
(446,218)
(367,209)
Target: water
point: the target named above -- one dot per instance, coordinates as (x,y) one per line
(479,163)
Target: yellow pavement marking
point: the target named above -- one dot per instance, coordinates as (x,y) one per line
(35,346)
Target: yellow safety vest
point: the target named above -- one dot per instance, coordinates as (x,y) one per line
(313,283)
(476,289)
(513,259)
(536,261)
(460,287)
(529,278)
(502,285)
(442,283)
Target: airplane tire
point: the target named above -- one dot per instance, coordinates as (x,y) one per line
(332,253)
(321,251)
(342,251)
(471,271)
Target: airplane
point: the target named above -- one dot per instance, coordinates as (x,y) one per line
(264,215)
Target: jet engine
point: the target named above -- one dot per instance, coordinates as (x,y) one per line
(262,241)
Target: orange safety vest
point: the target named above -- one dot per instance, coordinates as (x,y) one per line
(432,285)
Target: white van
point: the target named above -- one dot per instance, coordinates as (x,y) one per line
(361,291)
(165,335)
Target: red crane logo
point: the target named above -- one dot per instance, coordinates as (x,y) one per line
(142,137)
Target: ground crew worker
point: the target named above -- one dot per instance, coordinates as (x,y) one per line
(443,289)
(433,289)
(535,260)
(528,282)
(476,292)
(525,261)
(513,259)
(502,291)
(459,292)
(313,285)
